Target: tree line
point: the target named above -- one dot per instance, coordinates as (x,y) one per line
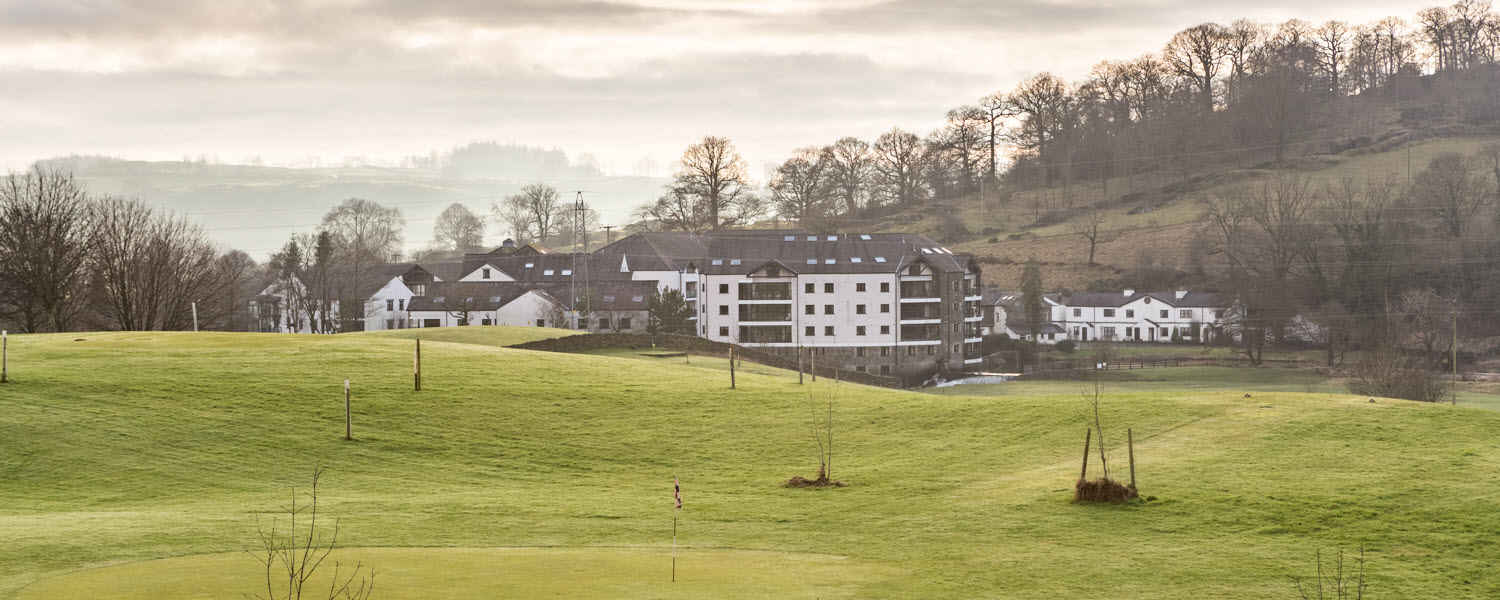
(1252,90)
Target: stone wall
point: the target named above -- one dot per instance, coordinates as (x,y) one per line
(698,345)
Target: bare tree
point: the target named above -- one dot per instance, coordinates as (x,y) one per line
(711,190)
(1334,584)
(151,267)
(1090,225)
(898,165)
(1452,189)
(849,168)
(800,187)
(458,229)
(1197,54)
(365,235)
(291,553)
(46,238)
(1386,369)
(1332,42)
(536,212)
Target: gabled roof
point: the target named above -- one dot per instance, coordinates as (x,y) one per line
(493,295)
(1112,300)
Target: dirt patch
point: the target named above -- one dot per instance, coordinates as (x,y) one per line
(799,481)
(1103,490)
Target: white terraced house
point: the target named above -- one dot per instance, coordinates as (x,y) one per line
(1141,316)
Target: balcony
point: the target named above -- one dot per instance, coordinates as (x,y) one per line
(766,335)
(920,291)
(921,333)
(920,312)
(765,313)
(765,291)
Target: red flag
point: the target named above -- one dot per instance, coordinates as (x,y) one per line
(677,492)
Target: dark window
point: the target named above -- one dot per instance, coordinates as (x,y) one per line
(861,369)
(810,331)
(914,270)
(885,330)
(810,310)
(885,369)
(1164,313)
(390,305)
(1186,314)
(860,352)
(1130,314)
(930,351)
(486,273)
(1077,312)
(724,309)
(859,330)
(723,288)
(859,309)
(885,308)
(885,350)
(808,288)
(401,303)
(859,287)
(603,323)
(1109,312)
(827,309)
(724,332)
(828,288)
(828,330)
(624,322)
(911,350)
(885,286)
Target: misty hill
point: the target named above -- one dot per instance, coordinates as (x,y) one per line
(255,208)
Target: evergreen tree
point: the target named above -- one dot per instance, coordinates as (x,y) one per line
(668,312)
(1032,306)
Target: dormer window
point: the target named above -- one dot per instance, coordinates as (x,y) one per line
(485,273)
(914,270)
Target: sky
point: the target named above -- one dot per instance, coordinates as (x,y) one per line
(625,81)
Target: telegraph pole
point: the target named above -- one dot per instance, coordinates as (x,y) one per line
(1453,385)
(609,235)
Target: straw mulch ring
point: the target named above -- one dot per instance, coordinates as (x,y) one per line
(1103,490)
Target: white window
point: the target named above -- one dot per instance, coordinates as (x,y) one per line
(829,261)
(880,259)
(547,272)
(567,272)
(812,238)
(735,262)
(833,238)
(530,265)
(790,238)
(865,237)
(812,261)
(856,260)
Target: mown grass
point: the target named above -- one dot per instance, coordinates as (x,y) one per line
(139,446)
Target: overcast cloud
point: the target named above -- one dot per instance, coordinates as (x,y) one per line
(626,80)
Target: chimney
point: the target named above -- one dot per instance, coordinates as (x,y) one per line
(1181,294)
(1129,293)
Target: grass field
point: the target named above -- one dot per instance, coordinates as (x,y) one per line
(131,464)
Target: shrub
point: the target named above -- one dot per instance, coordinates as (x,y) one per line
(1066,346)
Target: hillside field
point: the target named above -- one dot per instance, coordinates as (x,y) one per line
(131,465)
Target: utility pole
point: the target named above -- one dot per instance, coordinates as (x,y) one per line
(609,234)
(4,356)
(578,209)
(1453,385)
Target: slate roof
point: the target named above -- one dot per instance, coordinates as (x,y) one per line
(493,295)
(593,267)
(1110,299)
(801,252)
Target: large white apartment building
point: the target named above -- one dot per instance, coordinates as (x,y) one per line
(892,304)
(1140,316)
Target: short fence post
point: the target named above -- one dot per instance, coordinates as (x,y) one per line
(417,367)
(800,365)
(813,360)
(731,366)
(348,422)
(1088,436)
(1130,444)
(4,357)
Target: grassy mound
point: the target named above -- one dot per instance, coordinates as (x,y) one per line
(134,447)
(493,335)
